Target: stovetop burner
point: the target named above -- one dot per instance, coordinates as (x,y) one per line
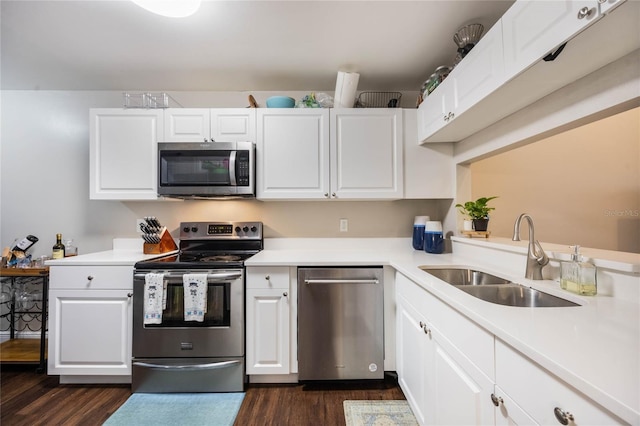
(211,245)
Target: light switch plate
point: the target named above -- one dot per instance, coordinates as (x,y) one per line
(344,225)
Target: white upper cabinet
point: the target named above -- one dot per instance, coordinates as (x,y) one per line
(123,153)
(514,64)
(204,124)
(475,77)
(366,153)
(292,152)
(317,154)
(533,29)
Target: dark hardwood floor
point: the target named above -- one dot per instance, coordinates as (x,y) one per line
(28,398)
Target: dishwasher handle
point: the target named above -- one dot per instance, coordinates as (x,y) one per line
(341,281)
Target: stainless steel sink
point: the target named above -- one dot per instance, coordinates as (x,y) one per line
(494,289)
(515,295)
(462,276)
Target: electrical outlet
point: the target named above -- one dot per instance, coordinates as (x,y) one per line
(138,223)
(344,225)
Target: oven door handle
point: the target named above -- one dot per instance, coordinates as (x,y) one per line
(188,367)
(221,277)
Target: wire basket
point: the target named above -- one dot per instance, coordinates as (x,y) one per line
(379,100)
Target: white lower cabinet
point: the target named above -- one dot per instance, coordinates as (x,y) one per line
(543,396)
(268,349)
(90,321)
(442,385)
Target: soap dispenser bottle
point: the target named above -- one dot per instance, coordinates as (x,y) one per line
(578,276)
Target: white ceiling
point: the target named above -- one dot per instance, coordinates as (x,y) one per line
(231,45)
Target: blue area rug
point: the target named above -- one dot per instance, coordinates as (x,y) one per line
(175,409)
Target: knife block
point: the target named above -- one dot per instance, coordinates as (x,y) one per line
(165,245)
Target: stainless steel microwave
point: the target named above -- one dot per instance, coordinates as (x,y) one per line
(206,169)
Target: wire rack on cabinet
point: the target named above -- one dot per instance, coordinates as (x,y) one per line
(149,100)
(378,100)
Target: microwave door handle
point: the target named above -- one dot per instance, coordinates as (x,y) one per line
(232,168)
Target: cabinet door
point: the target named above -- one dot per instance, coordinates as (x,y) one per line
(268,331)
(123,154)
(233,124)
(366,153)
(532,29)
(508,413)
(479,73)
(293,154)
(186,125)
(432,113)
(90,332)
(607,6)
(413,359)
(462,392)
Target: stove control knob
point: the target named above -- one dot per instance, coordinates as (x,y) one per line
(238,229)
(245,228)
(186,229)
(254,229)
(194,229)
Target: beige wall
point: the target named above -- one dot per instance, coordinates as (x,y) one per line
(581,186)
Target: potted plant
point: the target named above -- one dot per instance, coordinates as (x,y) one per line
(478,211)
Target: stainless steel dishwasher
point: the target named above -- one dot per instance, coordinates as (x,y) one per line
(340,323)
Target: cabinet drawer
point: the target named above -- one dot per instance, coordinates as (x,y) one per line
(266,277)
(91,277)
(538,392)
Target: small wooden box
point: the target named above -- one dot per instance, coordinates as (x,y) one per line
(476,234)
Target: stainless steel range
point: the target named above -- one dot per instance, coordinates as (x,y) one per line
(174,352)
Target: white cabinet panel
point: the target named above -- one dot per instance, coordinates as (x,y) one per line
(123,154)
(186,125)
(366,153)
(209,124)
(532,29)
(92,277)
(539,392)
(293,153)
(233,124)
(269,316)
(90,332)
(268,331)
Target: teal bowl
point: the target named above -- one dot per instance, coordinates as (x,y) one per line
(281,102)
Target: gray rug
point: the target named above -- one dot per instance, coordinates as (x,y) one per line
(378,413)
(174,409)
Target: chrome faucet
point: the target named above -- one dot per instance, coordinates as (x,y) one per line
(536,257)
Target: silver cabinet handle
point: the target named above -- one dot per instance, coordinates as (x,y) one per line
(285,294)
(326,194)
(584,12)
(90,277)
(129,295)
(267,277)
(564,417)
(496,400)
(333,194)
(338,281)
(188,367)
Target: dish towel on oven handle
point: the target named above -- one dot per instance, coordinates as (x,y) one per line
(154,297)
(195,296)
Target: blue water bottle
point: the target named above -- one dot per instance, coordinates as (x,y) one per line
(433,238)
(418,232)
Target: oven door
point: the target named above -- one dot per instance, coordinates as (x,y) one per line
(221,334)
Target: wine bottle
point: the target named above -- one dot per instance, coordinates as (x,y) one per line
(25,244)
(58,248)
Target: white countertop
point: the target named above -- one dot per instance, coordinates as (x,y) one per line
(594,347)
(126,252)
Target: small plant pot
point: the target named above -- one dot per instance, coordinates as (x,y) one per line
(480,224)
(467,225)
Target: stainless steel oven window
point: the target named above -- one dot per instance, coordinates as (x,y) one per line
(218,312)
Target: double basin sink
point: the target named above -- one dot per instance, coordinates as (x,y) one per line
(495,289)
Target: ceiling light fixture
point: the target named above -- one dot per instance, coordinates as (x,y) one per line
(170,8)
